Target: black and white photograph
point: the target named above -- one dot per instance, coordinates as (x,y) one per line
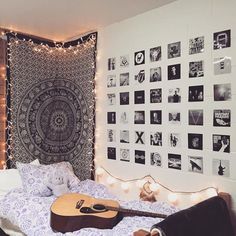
(156,138)
(174,72)
(124,136)
(111,153)
(156,95)
(124,119)
(196,69)
(195,141)
(174,140)
(112,63)
(196,93)
(139,157)
(222,65)
(221,118)
(139,97)
(155,159)
(174,161)
(221,167)
(111,117)
(139,58)
(196,45)
(124,79)
(195,164)
(111,99)
(139,137)
(174,95)
(124,155)
(124,61)
(139,117)
(222,92)
(156,117)
(155,74)
(124,98)
(139,77)
(111,81)
(174,117)
(221,143)
(155,54)
(174,50)
(222,39)
(111,135)
(195,117)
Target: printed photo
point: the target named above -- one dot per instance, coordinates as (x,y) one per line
(221,167)
(195,117)
(221,118)
(222,92)
(156,138)
(174,117)
(111,117)
(111,153)
(111,99)
(124,98)
(124,79)
(124,61)
(139,57)
(174,161)
(139,137)
(111,135)
(155,159)
(155,54)
(124,155)
(155,74)
(174,95)
(112,63)
(195,164)
(156,95)
(196,45)
(140,77)
(222,65)
(174,50)
(139,97)
(139,157)
(174,140)
(174,72)
(155,117)
(139,117)
(111,81)
(196,93)
(221,143)
(222,39)
(124,136)
(196,69)
(195,141)
(124,117)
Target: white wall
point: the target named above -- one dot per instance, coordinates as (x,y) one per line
(178,21)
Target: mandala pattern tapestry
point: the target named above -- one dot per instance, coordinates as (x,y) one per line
(52,102)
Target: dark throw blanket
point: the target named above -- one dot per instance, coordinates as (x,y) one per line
(207,218)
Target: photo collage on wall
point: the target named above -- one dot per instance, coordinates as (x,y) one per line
(135,89)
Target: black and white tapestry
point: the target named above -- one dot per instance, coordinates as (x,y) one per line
(52,102)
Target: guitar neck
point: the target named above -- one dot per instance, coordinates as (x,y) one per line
(130,212)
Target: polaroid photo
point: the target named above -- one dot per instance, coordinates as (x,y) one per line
(221,167)
(221,143)
(174,161)
(139,78)
(139,97)
(124,61)
(139,137)
(195,141)
(111,153)
(174,50)
(139,117)
(196,45)
(111,99)
(156,117)
(174,72)
(174,117)
(111,81)
(195,117)
(124,98)
(221,118)
(111,135)
(155,54)
(196,93)
(111,118)
(139,58)
(222,39)
(174,140)
(112,63)
(174,95)
(124,136)
(156,138)
(124,155)
(222,92)
(124,119)
(155,74)
(139,157)
(222,65)
(196,69)
(124,79)
(195,164)
(155,159)
(156,95)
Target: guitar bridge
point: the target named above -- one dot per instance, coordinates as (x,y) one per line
(79,204)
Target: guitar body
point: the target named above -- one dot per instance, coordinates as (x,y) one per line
(66,215)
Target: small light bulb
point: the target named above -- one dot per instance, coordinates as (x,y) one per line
(125,186)
(111,180)
(195,197)
(154,187)
(140,183)
(99,171)
(172,197)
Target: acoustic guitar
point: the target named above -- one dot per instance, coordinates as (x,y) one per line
(74,211)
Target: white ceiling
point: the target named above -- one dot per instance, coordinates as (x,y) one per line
(63,19)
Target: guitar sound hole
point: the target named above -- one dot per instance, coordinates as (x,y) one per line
(99,207)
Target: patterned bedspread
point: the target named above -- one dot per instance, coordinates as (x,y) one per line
(32,214)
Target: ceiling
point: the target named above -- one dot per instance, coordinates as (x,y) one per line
(63,19)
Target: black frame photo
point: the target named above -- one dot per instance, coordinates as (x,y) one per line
(196,93)
(195,141)
(174,72)
(174,161)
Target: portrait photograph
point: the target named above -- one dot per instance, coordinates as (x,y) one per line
(156,117)
(174,95)
(155,159)
(196,93)
(155,74)
(174,72)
